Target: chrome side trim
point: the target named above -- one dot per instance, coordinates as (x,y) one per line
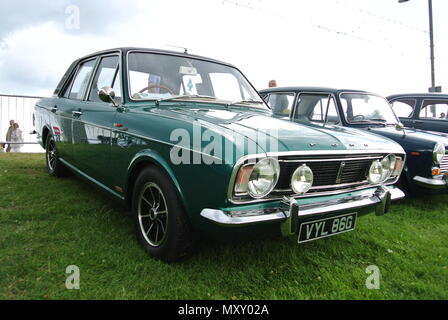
(431,183)
(86,176)
(114,130)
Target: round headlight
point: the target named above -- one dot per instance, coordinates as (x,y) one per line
(375,172)
(438,153)
(302,179)
(388,164)
(263,178)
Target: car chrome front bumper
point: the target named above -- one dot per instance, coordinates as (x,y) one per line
(432,183)
(290,211)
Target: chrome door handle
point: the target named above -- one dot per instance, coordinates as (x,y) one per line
(76,113)
(54,109)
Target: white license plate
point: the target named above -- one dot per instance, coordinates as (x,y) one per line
(322,228)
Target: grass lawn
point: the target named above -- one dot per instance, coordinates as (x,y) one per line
(47,224)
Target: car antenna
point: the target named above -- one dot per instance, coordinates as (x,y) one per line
(178,47)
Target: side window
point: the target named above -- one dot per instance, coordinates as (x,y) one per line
(104,76)
(281,103)
(81,81)
(320,111)
(434,109)
(404,107)
(66,92)
(312,107)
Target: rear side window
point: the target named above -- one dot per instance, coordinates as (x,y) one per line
(404,108)
(281,103)
(104,77)
(312,107)
(319,112)
(81,81)
(434,109)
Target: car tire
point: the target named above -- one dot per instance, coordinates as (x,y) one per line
(54,166)
(160,221)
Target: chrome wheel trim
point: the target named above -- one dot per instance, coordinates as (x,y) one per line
(51,154)
(152,214)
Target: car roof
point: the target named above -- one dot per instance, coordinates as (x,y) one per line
(125,50)
(419,95)
(310,89)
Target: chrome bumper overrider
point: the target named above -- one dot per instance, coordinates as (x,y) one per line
(290,211)
(432,183)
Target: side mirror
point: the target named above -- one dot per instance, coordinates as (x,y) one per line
(107,94)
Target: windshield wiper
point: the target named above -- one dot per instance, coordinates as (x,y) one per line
(370,122)
(244,101)
(383,121)
(185,96)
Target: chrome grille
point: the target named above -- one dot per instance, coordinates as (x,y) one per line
(329,174)
(444,164)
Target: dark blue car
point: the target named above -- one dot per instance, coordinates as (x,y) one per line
(426,111)
(427,152)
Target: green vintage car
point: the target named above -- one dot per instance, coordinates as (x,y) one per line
(189,145)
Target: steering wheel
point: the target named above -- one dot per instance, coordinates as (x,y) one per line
(359,117)
(152,86)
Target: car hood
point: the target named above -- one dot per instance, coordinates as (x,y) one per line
(261,127)
(411,138)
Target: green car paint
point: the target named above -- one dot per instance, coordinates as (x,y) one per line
(109,145)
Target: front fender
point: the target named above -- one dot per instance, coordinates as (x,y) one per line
(151,156)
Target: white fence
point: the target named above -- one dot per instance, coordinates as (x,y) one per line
(20,109)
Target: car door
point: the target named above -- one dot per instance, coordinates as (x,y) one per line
(94,122)
(405,109)
(61,109)
(433,115)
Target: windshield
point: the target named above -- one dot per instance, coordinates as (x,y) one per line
(367,108)
(164,77)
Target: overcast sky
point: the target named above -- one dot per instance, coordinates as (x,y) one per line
(380,46)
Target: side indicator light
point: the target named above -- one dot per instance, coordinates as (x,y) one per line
(435,171)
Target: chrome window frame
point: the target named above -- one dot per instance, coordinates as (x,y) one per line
(180,55)
(117,69)
(78,67)
(316,93)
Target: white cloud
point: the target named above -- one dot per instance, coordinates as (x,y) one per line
(377,46)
